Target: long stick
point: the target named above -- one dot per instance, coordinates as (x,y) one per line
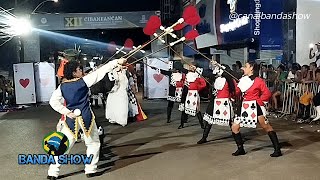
(141,61)
(114,54)
(209,59)
(149,54)
(189,65)
(165,32)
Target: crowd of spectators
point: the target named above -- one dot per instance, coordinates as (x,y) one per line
(301,81)
(6,93)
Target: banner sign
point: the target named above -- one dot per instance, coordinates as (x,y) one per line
(108,20)
(24,84)
(157,85)
(271,36)
(45,80)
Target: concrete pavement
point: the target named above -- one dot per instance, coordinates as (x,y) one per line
(156,150)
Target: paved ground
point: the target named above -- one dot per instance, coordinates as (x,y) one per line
(156,150)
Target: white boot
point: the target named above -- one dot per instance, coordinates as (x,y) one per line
(318,113)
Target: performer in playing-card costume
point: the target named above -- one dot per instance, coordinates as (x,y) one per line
(219,110)
(177,75)
(255,95)
(75,91)
(190,99)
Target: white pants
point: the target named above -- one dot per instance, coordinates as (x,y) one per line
(93,146)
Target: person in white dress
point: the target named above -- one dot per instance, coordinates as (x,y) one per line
(117,100)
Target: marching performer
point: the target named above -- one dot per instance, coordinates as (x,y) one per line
(176,75)
(255,95)
(219,110)
(75,91)
(190,99)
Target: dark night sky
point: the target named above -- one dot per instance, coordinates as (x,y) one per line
(86,6)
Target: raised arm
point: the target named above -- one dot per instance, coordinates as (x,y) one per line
(56,102)
(97,75)
(164,72)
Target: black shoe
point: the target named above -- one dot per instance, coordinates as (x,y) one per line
(168,121)
(207,128)
(180,127)
(239,142)
(202,141)
(51,177)
(91,175)
(276,144)
(239,152)
(276,153)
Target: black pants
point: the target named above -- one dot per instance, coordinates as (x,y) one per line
(96,101)
(170,104)
(304,111)
(316,100)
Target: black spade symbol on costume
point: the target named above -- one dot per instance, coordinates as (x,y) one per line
(225,103)
(244,114)
(188,102)
(253,106)
(218,112)
(195,95)
(176,94)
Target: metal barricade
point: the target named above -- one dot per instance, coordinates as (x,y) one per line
(291,97)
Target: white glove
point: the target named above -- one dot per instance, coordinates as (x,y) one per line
(121,61)
(118,68)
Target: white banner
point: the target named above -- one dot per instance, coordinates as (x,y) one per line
(45,80)
(24,83)
(157,85)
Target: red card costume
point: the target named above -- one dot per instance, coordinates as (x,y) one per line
(194,84)
(255,95)
(222,110)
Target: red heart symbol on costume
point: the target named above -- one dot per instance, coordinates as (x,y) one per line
(24,82)
(158,77)
(218,102)
(245,106)
(190,94)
